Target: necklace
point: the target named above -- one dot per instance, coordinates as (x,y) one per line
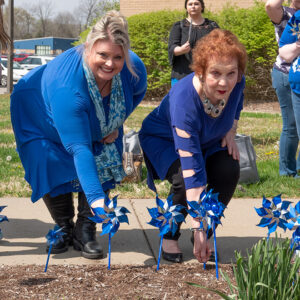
(213,110)
(105,84)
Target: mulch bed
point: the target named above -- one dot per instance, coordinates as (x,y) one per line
(121,282)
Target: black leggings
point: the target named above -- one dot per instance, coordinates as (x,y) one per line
(223,173)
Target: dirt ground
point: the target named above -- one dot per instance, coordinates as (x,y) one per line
(121,282)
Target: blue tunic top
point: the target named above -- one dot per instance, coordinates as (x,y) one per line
(56,128)
(183,108)
(290,36)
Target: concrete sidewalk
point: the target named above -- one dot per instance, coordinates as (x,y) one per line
(24,239)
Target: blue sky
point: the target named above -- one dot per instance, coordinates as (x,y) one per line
(58,5)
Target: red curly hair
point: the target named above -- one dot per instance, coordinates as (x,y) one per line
(219,43)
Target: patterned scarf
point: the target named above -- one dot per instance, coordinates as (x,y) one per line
(109,161)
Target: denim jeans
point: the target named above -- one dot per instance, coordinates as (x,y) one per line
(289,138)
(296,106)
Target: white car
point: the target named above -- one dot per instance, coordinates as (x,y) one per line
(31,62)
(18,72)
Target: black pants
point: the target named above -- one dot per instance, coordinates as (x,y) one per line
(223,173)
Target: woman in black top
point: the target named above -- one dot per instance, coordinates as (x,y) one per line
(183,37)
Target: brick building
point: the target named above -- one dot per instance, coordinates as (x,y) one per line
(132,7)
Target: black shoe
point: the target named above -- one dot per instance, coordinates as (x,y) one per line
(61,209)
(173,257)
(90,249)
(84,238)
(212,257)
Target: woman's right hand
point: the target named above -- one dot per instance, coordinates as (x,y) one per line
(97,203)
(185,48)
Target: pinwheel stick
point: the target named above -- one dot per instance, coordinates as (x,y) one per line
(204,265)
(109,250)
(48,257)
(215,246)
(159,254)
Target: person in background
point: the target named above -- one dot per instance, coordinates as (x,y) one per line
(183,37)
(68,117)
(289,162)
(189,138)
(290,51)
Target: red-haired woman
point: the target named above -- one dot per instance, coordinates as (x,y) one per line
(189,138)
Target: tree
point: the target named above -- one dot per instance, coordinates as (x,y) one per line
(24,22)
(43,10)
(87,11)
(65,25)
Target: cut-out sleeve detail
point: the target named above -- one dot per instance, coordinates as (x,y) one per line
(191,144)
(186,133)
(188,173)
(182,133)
(183,153)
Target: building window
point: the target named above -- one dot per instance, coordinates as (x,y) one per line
(42,50)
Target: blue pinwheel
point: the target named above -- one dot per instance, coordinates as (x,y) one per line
(53,237)
(295,244)
(110,216)
(209,210)
(273,214)
(294,217)
(294,224)
(2,219)
(197,210)
(166,217)
(295,29)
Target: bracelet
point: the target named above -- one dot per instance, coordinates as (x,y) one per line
(196,229)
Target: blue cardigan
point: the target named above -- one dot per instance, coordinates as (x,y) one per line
(56,128)
(183,108)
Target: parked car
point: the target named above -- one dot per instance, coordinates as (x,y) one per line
(20,56)
(34,61)
(18,72)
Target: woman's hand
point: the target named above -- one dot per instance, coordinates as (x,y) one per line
(97,203)
(201,246)
(228,140)
(111,137)
(185,48)
(194,194)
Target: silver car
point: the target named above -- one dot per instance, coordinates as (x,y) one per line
(18,72)
(34,61)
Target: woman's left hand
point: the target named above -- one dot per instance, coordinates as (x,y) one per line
(111,137)
(228,140)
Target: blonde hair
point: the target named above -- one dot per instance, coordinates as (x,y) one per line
(112,26)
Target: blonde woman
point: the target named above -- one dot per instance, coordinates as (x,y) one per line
(68,120)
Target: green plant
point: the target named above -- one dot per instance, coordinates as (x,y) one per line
(269,272)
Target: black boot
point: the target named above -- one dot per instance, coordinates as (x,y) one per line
(61,209)
(84,238)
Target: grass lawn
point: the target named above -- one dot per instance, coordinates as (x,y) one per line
(263,128)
